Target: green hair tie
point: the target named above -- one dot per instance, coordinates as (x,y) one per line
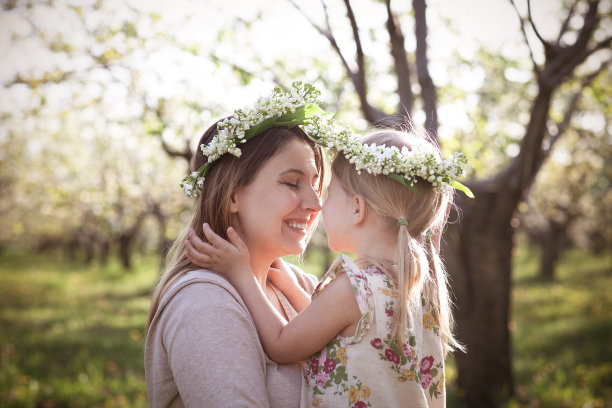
(428,235)
(402,221)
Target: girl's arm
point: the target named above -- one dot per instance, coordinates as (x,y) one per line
(281,275)
(328,315)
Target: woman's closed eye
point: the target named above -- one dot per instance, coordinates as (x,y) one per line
(291,184)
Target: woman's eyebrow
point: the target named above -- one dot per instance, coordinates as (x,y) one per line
(298,171)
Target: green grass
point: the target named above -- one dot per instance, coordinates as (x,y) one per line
(71,336)
(562,333)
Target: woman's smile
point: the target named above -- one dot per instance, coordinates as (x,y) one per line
(300,226)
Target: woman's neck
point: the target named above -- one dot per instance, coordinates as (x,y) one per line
(260,267)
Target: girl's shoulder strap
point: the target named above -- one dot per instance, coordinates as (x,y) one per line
(342,264)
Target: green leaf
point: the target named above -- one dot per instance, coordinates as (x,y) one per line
(299,117)
(461,187)
(433,372)
(400,179)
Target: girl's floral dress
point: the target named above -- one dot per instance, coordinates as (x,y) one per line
(368,369)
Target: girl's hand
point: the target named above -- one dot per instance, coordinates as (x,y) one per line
(231,259)
(281,275)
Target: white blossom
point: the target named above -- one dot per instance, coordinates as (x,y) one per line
(417,162)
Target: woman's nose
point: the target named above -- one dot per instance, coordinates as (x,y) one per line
(312,201)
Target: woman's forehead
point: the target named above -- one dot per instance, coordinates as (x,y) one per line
(296,155)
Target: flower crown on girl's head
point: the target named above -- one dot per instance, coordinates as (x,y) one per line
(299,107)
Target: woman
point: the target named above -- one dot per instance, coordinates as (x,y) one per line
(202,346)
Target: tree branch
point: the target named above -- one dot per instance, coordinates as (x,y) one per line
(402,71)
(327,33)
(565,25)
(428,90)
(243,71)
(535,29)
(185,154)
(357,77)
(536,68)
(158,111)
(567,58)
(571,109)
(360,77)
(332,39)
(579,58)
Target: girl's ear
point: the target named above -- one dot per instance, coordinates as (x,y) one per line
(358,209)
(234,200)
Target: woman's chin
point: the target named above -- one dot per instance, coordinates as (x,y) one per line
(296,248)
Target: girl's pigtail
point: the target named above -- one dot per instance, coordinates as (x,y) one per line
(409,283)
(437,297)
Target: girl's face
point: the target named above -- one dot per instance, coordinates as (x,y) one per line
(336,217)
(276,210)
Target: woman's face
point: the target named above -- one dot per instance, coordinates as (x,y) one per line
(336,216)
(276,210)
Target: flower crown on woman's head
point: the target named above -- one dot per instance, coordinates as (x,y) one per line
(299,107)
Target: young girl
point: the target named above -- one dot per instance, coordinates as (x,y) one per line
(377,329)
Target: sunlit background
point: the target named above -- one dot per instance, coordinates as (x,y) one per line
(103,102)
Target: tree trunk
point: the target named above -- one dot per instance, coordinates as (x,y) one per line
(478,255)
(125,249)
(550,245)
(104,252)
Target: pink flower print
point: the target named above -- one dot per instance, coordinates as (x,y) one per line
(314,365)
(389,312)
(406,349)
(322,378)
(374,270)
(359,275)
(360,404)
(425,381)
(330,365)
(426,364)
(392,356)
(376,343)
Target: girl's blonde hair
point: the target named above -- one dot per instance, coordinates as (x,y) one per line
(213,205)
(418,270)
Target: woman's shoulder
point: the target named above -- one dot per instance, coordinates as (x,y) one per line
(200,289)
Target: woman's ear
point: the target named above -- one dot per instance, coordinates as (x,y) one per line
(358,209)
